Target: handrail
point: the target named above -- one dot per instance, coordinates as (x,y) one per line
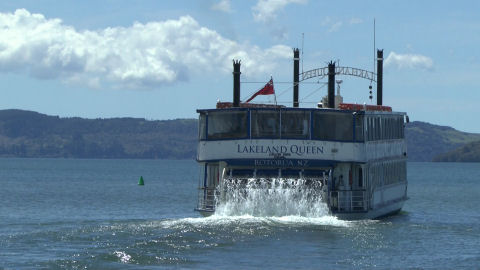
(349,200)
(206,198)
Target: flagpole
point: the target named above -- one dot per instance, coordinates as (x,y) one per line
(274,94)
(266,90)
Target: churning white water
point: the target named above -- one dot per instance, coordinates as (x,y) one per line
(272,197)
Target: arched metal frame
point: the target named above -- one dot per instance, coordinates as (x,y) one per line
(322,72)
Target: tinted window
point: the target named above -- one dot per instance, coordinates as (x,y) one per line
(227,125)
(333,126)
(296,124)
(265,124)
(202,127)
(359,127)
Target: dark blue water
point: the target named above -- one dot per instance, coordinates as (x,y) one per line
(91,214)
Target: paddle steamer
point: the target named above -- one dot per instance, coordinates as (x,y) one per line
(355,154)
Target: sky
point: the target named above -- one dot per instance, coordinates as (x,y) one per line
(164,59)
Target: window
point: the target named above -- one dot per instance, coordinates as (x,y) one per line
(402,130)
(393,172)
(296,124)
(389,128)
(370,128)
(333,126)
(359,128)
(202,127)
(265,124)
(360,177)
(383,128)
(227,125)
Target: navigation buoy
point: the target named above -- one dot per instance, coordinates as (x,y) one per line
(140,182)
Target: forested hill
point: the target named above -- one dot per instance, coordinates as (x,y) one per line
(426,141)
(466,153)
(31,134)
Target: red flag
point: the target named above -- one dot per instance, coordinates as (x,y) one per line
(266,90)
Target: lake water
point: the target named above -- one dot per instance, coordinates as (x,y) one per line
(91,214)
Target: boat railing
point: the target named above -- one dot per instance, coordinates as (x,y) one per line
(206,199)
(349,201)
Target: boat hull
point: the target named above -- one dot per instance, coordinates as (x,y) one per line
(204,212)
(380,212)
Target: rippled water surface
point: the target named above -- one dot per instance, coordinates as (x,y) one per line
(91,214)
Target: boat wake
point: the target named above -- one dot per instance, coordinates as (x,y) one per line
(270,202)
(247,220)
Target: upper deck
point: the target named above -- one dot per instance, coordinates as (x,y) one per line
(299,133)
(337,125)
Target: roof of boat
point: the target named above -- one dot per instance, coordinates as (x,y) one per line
(343,107)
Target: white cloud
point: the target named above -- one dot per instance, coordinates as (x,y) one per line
(332,26)
(266,10)
(335,27)
(142,55)
(223,5)
(326,21)
(356,21)
(408,61)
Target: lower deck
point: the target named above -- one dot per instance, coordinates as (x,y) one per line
(348,190)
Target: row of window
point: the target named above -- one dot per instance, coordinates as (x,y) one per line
(384,128)
(297,124)
(387,173)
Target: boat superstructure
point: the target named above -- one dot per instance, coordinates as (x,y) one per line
(354,156)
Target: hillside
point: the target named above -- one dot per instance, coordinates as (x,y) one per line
(31,134)
(467,153)
(426,141)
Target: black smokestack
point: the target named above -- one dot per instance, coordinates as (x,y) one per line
(379,77)
(331,85)
(296,67)
(236,83)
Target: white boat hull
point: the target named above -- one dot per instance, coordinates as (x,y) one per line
(383,211)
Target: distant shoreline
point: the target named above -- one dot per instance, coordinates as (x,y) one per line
(27,134)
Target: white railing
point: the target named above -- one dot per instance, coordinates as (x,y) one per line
(349,201)
(206,199)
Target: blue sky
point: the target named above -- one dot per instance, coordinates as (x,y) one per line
(165,59)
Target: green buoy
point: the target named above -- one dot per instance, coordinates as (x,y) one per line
(140,182)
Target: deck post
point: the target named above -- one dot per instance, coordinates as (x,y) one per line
(379,77)
(331,85)
(296,68)
(236,83)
